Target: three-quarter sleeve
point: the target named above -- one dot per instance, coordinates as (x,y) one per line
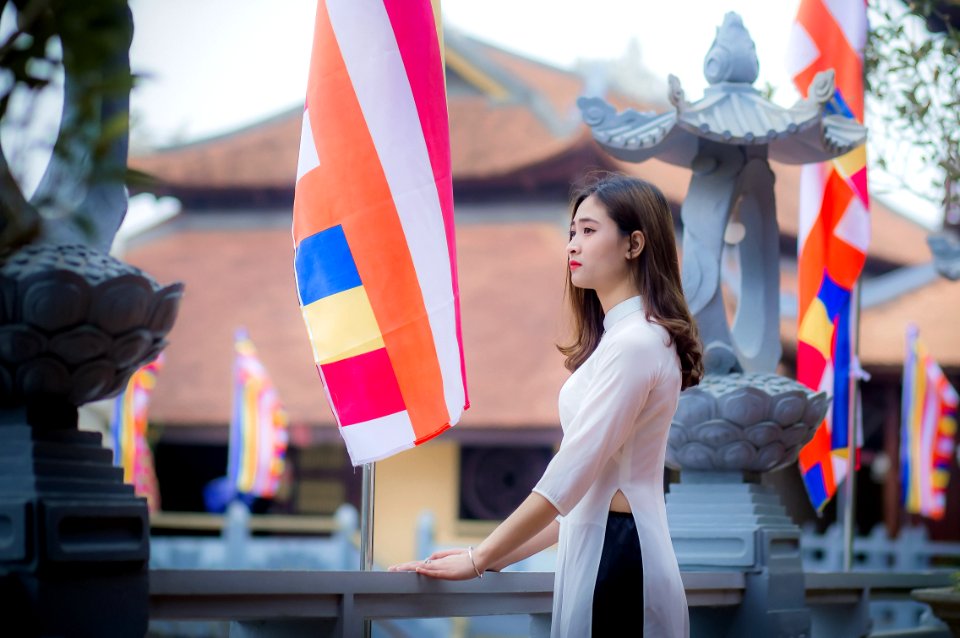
(621,381)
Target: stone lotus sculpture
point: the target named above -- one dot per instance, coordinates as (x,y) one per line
(753,422)
(76,323)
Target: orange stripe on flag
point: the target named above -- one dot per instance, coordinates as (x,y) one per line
(846,262)
(810,267)
(818,451)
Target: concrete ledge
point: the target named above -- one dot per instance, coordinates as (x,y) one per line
(249,595)
(267,603)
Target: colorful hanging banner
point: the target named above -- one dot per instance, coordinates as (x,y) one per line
(373,228)
(833,236)
(129,433)
(258,426)
(928,428)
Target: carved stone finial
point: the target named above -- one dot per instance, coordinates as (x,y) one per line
(822,87)
(676,95)
(733,55)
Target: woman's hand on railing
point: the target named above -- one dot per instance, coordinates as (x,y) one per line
(447,564)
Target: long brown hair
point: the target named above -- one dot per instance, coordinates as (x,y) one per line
(634,204)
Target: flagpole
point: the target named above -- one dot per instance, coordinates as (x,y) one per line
(366,518)
(366,528)
(849,488)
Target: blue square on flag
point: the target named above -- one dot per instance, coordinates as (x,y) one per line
(325,265)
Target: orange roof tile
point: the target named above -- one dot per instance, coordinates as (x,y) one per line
(262,155)
(511,281)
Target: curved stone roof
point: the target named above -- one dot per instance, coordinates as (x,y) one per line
(731,113)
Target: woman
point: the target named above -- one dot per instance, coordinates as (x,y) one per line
(601,496)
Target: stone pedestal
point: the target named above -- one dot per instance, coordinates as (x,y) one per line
(74,540)
(728,521)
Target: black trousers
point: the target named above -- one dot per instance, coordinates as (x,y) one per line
(618,593)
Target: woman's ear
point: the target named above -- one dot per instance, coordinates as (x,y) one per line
(637,242)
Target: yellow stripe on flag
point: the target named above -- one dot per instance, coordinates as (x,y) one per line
(251,435)
(940,479)
(948,425)
(816,329)
(848,164)
(331,336)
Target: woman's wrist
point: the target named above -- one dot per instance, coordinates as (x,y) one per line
(481,561)
(473,562)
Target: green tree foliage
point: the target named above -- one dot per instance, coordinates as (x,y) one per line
(88,42)
(913,70)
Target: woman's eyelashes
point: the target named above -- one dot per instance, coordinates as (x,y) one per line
(585,231)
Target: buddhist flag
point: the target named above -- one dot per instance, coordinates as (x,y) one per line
(129,432)
(258,426)
(373,231)
(928,427)
(833,236)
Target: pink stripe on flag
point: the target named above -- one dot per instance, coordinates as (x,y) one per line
(859,181)
(424,65)
(363,387)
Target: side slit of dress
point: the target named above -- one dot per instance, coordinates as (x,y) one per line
(618,592)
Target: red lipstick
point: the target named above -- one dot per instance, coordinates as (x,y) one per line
(574,264)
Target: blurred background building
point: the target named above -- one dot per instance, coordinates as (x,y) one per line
(518,144)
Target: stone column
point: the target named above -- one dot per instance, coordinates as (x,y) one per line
(74,539)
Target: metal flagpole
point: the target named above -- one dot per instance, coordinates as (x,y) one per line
(366,528)
(366,518)
(853,420)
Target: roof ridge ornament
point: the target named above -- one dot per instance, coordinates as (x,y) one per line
(821,88)
(733,55)
(676,95)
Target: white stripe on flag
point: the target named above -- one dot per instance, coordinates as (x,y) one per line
(944,446)
(308,159)
(373,61)
(802,51)
(371,441)
(811,198)
(851,17)
(928,433)
(854,225)
(841,466)
(826,381)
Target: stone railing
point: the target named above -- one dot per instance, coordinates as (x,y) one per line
(339,603)
(331,603)
(190,582)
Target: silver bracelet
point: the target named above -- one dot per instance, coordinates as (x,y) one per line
(470,554)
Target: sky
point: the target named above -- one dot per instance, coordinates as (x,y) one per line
(207,67)
(212,65)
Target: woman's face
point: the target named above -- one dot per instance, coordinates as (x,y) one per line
(597,251)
